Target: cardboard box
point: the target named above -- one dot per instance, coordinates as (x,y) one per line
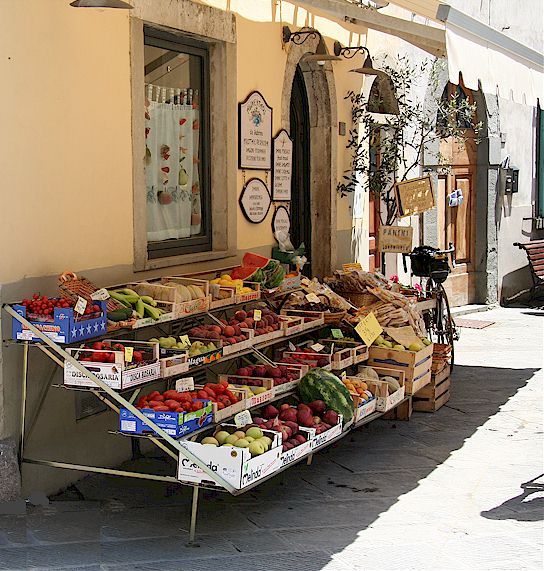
(255,400)
(208,357)
(175,424)
(118,375)
(363,409)
(320,439)
(298,452)
(235,465)
(64,326)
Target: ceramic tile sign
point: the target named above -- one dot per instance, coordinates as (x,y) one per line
(283,166)
(414,196)
(281,221)
(255,200)
(255,132)
(397,239)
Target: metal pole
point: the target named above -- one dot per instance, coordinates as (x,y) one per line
(113,394)
(194,512)
(23,402)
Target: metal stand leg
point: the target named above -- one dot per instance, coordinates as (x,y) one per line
(309,459)
(23,403)
(194,512)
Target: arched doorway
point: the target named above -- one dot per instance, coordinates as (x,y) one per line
(315,214)
(300,181)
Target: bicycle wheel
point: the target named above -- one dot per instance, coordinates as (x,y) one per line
(446,331)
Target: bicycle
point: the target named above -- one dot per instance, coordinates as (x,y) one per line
(432,263)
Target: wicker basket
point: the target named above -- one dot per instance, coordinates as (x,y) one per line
(359,299)
(74,287)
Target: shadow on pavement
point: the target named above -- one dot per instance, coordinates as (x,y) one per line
(294,521)
(522,507)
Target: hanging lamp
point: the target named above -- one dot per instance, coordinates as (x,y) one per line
(101,4)
(320,56)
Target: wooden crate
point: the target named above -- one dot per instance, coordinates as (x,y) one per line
(415,365)
(435,394)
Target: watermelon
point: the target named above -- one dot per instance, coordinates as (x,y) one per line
(319,384)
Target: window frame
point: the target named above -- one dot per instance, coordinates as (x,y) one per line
(183,44)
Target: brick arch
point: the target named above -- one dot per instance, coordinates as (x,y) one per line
(320,87)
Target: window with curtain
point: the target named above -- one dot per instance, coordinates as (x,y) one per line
(177,143)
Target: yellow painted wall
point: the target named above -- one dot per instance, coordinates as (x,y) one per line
(65,149)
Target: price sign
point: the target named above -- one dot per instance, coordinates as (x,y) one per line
(351,267)
(242,418)
(129,353)
(100,295)
(292,347)
(317,347)
(184,339)
(312,298)
(368,329)
(80,306)
(257,315)
(337,334)
(185,384)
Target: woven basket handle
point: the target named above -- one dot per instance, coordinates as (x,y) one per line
(67,276)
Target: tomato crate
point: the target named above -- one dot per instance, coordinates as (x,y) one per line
(175,424)
(310,319)
(380,389)
(264,385)
(64,326)
(220,414)
(436,394)
(416,365)
(117,372)
(235,465)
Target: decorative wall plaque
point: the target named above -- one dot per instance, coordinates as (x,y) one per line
(281,220)
(255,133)
(415,196)
(255,200)
(282,166)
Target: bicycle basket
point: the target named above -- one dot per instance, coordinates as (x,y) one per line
(426,265)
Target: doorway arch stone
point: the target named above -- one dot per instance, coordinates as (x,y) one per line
(321,90)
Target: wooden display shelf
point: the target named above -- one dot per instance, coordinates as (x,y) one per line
(435,394)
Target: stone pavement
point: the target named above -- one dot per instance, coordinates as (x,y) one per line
(458,489)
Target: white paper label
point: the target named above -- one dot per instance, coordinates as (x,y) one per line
(242,418)
(312,298)
(317,347)
(292,347)
(128,426)
(80,306)
(185,384)
(257,315)
(100,295)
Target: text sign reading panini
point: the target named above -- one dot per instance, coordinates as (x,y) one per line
(396,239)
(414,196)
(255,116)
(283,166)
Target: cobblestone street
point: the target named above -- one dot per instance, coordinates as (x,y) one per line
(462,488)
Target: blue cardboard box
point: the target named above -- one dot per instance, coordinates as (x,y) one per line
(65,327)
(175,424)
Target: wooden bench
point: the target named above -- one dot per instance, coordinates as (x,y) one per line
(535,255)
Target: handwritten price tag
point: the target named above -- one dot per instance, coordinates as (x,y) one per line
(368,329)
(81,305)
(100,295)
(185,384)
(242,418)
(257,315)
(129,353)
(337,334)
(184,339)
(312,298)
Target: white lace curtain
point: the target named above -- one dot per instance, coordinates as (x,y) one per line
(172,128)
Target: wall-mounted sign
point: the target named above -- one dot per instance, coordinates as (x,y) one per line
(283,166)
(414,196)
(255,200)
(281,220)
(255,132)
(395,239)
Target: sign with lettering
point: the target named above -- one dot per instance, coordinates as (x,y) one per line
(255,128)
(281,222)
(351,267)
(255,200)
(283,166)
(396,239)
(414,196)
(369,329)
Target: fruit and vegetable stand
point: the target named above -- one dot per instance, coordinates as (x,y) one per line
(283,402)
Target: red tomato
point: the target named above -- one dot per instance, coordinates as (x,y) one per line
(161,408)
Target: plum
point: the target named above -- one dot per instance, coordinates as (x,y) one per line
(317,406)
